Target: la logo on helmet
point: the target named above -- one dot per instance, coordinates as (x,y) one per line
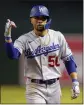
(41,9)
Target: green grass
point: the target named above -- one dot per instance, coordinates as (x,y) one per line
(66,96)
(12,94)
(16,94)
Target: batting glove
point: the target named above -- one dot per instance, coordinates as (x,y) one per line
(8,26)
(75,89)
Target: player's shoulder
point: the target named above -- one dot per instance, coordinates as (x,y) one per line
(56,33)
(26,36)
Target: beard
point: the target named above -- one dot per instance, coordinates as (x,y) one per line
(40,27)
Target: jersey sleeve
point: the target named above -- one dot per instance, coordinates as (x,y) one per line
(65,49)
(20,44)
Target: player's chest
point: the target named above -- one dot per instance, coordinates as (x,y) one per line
(42,46)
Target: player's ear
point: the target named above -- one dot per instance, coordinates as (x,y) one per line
(31,20)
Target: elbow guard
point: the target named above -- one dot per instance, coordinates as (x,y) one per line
(70,65)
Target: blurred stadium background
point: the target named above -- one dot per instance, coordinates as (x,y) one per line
(67,17)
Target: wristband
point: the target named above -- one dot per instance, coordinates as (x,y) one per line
(7,38)
(74,80)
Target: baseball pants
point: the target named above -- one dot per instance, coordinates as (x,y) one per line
(42,93)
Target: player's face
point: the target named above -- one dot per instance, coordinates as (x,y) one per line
(39,22)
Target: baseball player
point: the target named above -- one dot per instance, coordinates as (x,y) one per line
(43,49)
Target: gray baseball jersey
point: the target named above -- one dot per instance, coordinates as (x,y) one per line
(43,54)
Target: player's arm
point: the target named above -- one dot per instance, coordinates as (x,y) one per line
(12,52)
(68,59)
(71,69)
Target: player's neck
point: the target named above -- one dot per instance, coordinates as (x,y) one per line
(42,33)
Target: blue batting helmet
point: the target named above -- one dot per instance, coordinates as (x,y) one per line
(39,10)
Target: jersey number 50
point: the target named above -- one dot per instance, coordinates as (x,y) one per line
(53,61)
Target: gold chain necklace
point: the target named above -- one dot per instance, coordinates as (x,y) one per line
(45,40)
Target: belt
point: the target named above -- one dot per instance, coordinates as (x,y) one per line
(49,82)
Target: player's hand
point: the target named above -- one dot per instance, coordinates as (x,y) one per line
(8,26)
(75,89)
